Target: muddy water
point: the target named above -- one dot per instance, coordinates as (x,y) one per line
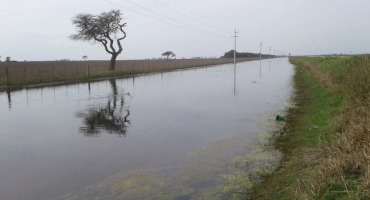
(158,136)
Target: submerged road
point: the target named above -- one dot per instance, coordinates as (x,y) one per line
(58,141)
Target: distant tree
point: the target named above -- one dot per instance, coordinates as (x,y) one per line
(168,54)
(84,57)
(230,54)
(104,29)
(7,59)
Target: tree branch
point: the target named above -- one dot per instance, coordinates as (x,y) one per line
(111,42)
(104,43)
(119,39)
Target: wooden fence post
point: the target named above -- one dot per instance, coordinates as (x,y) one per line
(25,73)
(6,76)
(88,71)
(52,69)
(39,75)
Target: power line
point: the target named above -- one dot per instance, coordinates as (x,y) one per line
(151,17)
(177,23)
(190,17)
(168,18)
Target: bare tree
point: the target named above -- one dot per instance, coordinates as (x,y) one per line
(105,29)
(84,57)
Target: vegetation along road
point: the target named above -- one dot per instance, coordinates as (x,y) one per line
(18,74)
(327,133)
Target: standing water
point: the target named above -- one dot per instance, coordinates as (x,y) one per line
(157,136)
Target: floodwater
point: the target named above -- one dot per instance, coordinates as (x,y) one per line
(157,136)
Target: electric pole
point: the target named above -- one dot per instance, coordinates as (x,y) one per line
(261,51)
(235,36)
(270,52)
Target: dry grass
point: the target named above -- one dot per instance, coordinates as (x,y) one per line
(326,140)
(22,73)
(340,168)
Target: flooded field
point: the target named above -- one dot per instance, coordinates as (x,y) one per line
(157,136)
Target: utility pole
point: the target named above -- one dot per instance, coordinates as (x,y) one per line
(235,36)
(261,51)
(270,52)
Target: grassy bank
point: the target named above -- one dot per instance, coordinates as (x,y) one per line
(326,139)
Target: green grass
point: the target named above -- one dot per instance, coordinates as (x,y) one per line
(309,124)
(327,134)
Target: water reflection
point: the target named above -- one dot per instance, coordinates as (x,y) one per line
(260,69)
(269,65)
(235,80)
(9,98)
(111,118)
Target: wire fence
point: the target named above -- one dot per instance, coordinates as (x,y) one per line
(13,72)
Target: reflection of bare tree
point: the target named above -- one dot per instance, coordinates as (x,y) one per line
(112,118)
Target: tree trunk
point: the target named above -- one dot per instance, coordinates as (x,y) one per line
(112,64)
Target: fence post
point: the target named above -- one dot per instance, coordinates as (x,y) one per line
(25,73)
(39,75)
(7,76)
(88,71)
(52,69)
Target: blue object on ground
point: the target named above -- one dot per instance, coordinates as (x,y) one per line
(279,118)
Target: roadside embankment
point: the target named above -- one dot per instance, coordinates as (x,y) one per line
(326,138)
(19,74)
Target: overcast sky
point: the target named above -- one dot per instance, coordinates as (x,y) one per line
(39,29)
